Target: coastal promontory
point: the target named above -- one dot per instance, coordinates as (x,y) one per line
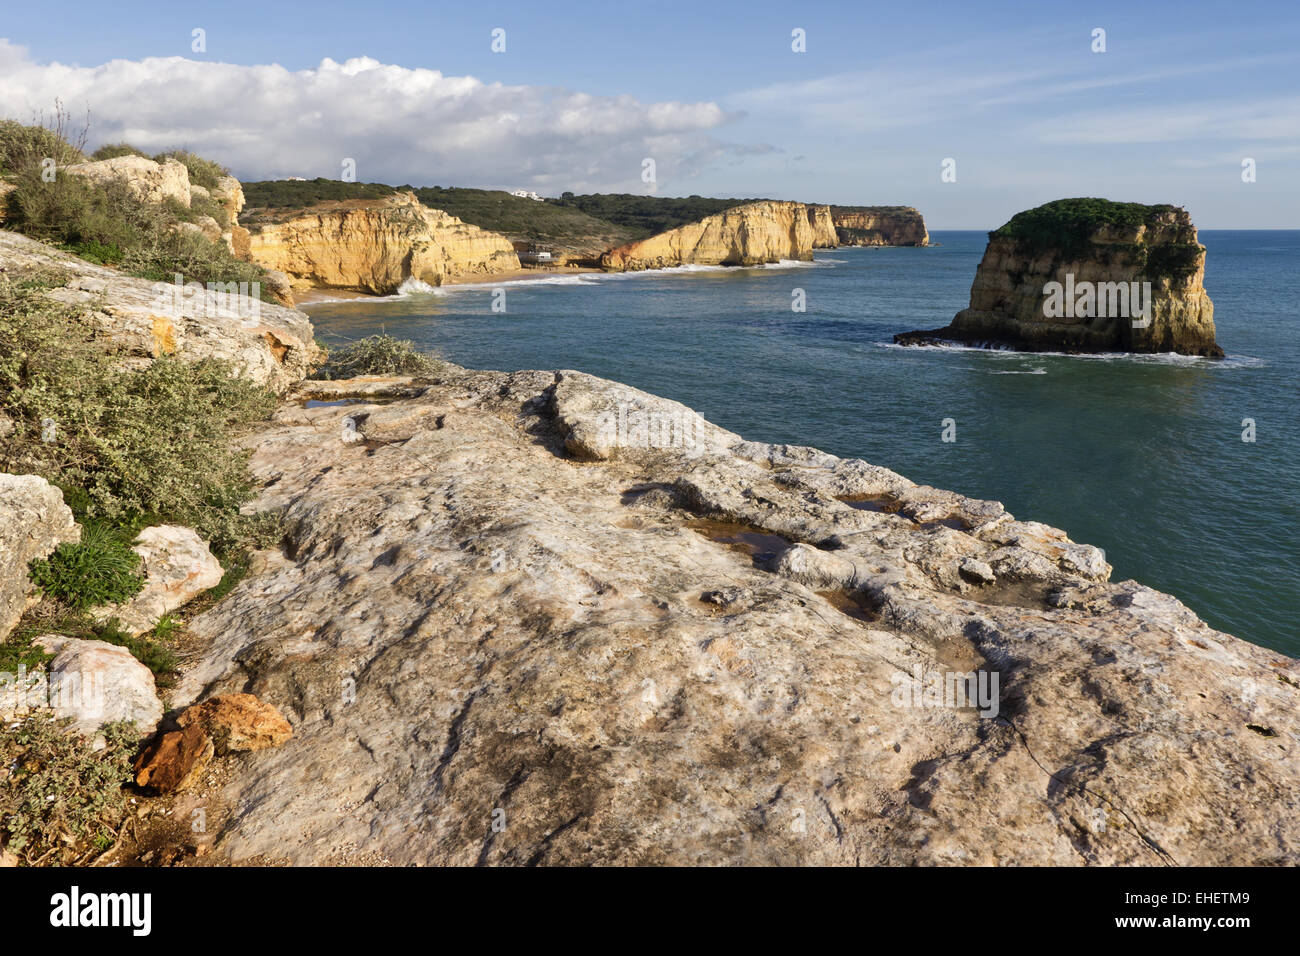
(879,226)
(1088,275)
(746,235)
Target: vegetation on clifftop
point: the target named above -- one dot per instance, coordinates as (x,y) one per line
(127,446)
(595,221)
(1066,226)
(105,222)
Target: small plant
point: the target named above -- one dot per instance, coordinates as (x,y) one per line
(62,801)
(379,355)
(100,569)
(203,172)
(116,150)
(145,648)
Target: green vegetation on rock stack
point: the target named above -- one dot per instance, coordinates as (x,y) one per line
(1101,255)
(1068,227)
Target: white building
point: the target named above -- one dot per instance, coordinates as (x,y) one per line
(526,194)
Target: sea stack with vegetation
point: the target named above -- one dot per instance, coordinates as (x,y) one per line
(1088,275)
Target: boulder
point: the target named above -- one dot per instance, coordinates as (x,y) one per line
(96,683)
(173,761)
(177,567)
(237,722)
(142,320)
(149,181)
(33,522)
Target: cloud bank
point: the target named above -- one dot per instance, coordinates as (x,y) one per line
(400,125)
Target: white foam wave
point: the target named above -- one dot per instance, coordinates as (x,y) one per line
(1140,358)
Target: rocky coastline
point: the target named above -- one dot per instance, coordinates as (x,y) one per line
(540,617)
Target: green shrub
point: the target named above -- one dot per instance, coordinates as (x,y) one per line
(1066,226)
(100,569)
(379,355)
(116,150)
(24,147)
(202,171)
(149,444)
(62,801)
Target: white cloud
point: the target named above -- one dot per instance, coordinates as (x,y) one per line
(399,124)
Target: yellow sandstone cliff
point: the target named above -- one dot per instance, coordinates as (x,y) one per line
(374,245)
(823,223)
(879,226)
(747,235)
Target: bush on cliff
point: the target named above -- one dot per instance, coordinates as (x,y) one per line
(203,172)
(127,446)
(101,568)
(24,147)
(379,355)
(116,150)
(62,802)
(107,223)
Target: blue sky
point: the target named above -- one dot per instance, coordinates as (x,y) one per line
(712,92)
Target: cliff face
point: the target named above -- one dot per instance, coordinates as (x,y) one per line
(626,658)
(824,236)
(879,226)
(745,235)
(375,245)
(1088,276)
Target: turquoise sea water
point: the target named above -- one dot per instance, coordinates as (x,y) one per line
(1141,456)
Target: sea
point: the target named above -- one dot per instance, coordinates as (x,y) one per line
(1186,471)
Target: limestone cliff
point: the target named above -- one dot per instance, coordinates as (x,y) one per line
(1089,275)
(824,235)
(696,649)
(747,235)
(879,226)
(374,245)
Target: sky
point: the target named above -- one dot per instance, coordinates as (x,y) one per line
(582,94)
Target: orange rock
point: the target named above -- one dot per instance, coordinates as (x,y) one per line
(238,722)
(173,761)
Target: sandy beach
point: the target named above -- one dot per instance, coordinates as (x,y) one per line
(326,294)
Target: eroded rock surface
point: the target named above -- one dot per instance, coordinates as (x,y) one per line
(492,652)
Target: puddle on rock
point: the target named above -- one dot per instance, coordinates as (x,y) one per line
(317,403)
(858,607)
(758,544)
(1027,594)
(955,523)
(882,504)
